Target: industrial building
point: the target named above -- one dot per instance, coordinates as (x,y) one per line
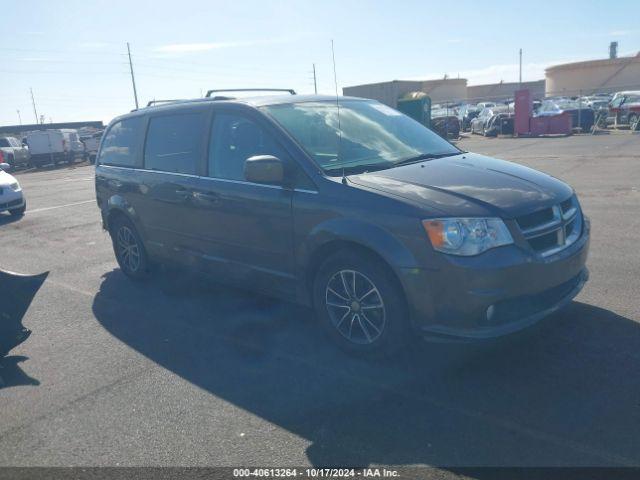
(19,129)
(503,91)
(608,75)
(443,90)
(447,89)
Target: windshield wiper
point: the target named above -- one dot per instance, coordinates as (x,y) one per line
(355,169)
(424,156)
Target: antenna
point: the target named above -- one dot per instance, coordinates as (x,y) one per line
(335,81)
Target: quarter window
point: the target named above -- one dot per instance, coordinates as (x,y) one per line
(174,143)
(119,146)
(235,138)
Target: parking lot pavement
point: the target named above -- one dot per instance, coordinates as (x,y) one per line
(177,371)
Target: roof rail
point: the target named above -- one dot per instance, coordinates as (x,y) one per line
(154,102)
(290,90)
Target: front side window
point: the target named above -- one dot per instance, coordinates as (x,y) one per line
(363,136)
(234,138)
(119,146)
(174,143)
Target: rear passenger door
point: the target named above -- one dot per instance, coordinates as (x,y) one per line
(246,227)
(173,154)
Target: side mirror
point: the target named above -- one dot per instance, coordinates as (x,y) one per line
(264,169)
(5,166)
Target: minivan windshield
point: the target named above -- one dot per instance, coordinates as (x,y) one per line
(366,136)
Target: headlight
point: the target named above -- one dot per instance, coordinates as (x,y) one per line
(466,236)
(15,186)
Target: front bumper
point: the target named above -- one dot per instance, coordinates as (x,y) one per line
(499,292)
(10,200)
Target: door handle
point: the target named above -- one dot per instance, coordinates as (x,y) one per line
(184,194)
(207,196)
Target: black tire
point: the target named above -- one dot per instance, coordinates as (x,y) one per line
(379,331)
(634,122)
(125,238)
(18,212)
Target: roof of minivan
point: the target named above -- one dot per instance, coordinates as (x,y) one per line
(255,101)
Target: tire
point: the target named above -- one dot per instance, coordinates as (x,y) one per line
(634,122)
(18,212)
(375,319)
(125,238)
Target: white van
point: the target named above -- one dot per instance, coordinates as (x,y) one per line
(47,146)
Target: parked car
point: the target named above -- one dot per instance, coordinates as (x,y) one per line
(493,121)
(91,144)
(625,109)
(14,153)
(386,229)
(47,146)
(11,196)
(444,121)
(482,105)
(582,116)
(466,113)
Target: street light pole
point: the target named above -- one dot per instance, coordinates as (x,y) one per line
(520,78)
(133,80)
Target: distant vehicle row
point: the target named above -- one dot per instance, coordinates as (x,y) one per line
(492,118)
(44,147)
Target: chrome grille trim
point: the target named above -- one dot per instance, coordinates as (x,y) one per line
(564,218)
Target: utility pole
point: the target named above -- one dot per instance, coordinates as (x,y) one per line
(315,83)
(520,81)
(35,112)
(19,117)
(133,80)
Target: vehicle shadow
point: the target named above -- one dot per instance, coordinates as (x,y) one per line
(52,167)
(11,375)
(6,218)
(563,393)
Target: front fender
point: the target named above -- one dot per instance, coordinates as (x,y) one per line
(361,232)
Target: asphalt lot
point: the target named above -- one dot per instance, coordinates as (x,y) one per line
(182,372)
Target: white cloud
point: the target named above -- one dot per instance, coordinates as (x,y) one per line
(623,33)
(205,47)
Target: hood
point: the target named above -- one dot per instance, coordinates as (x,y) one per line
(6,179)
(469,184)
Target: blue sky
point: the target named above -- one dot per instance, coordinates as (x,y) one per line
(73,53)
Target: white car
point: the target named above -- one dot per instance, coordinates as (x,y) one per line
(11,197)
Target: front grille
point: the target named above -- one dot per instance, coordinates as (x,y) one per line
(13,203)
(552,229)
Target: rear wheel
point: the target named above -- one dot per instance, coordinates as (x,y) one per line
(634,122)
(129,249)
(360,305)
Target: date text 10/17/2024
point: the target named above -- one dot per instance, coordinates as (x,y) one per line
(315,472)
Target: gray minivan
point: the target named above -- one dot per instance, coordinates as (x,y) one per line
(349,206)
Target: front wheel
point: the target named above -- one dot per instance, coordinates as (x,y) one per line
(360,304)
(18,212)
(129,249)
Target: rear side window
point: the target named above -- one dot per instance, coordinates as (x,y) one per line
(174,143)
(119,146)
(4,142)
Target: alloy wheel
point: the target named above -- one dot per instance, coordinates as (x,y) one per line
(128,248)
(355,307)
